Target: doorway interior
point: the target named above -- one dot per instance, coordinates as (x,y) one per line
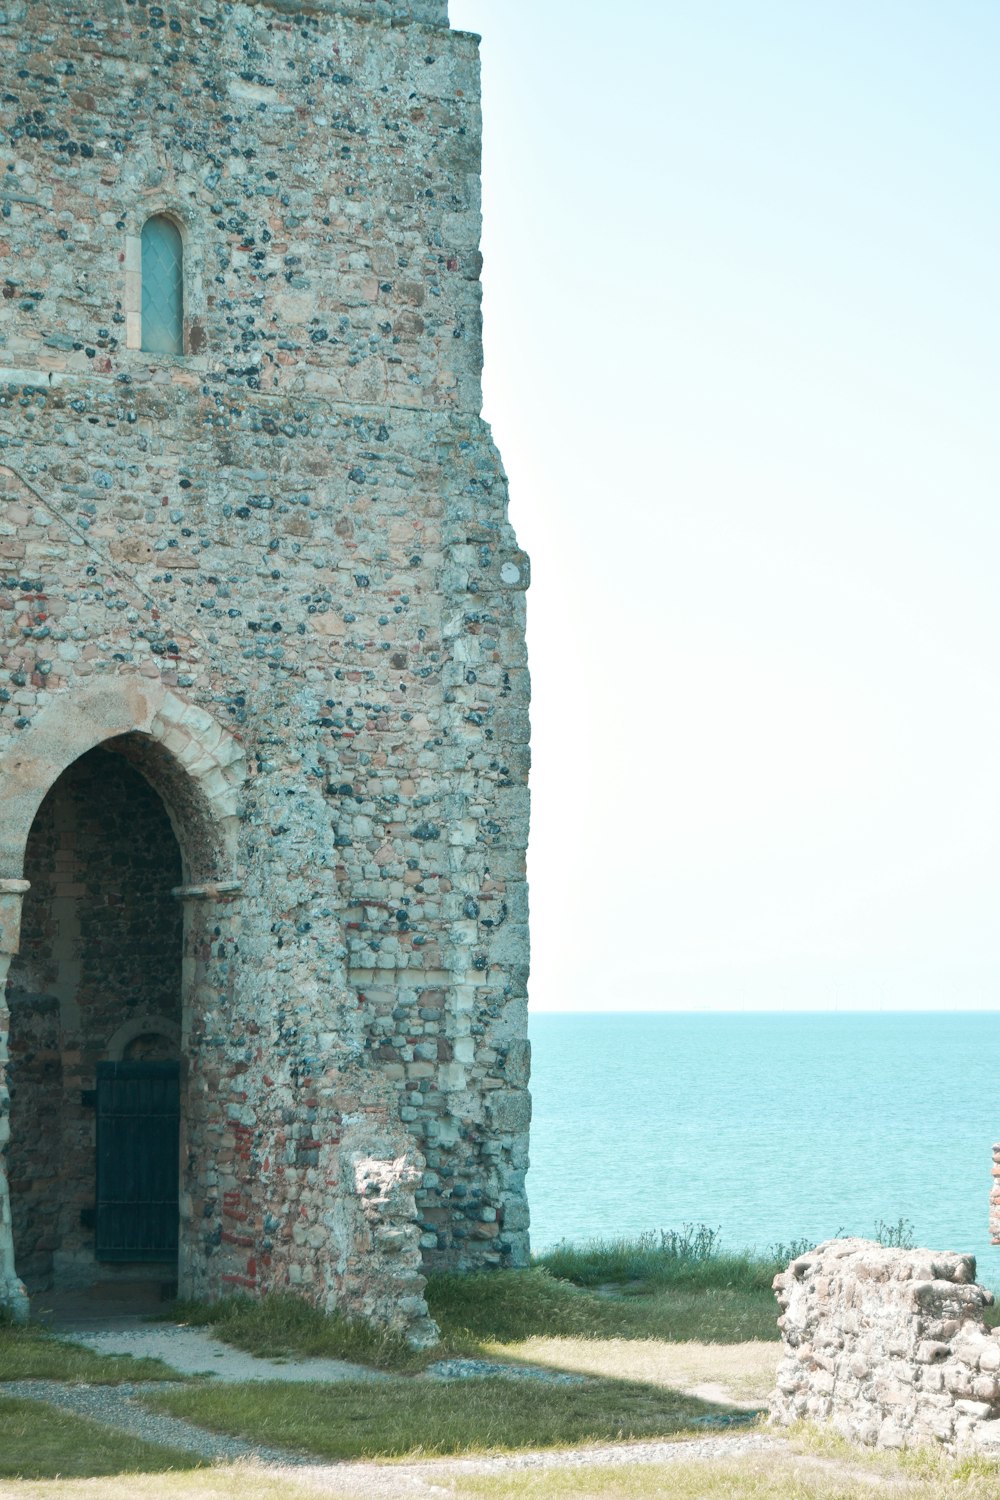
(95,1036)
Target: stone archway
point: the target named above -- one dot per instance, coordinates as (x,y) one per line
(100,948)
(180,775)
(197,767)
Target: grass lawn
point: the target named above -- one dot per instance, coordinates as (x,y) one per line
(667,1329)
(690,1257)
(493,1315)
(37,1441)
(31,1354)
(283,1325)
(522,1304)
(396,1418)
(677,1288)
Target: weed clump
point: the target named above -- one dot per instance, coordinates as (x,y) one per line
(898,1236)
(283,1325)
(690,1257)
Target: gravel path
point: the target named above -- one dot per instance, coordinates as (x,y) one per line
(120,1407)
(195,1351)
(686,1450)
(484,1369)
(116,1406)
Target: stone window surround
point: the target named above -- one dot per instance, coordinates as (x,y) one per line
(173,207)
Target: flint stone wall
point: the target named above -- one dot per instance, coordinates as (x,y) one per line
(890,1346)
(280,567)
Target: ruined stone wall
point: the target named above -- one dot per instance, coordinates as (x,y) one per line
(299,530)
(995,1198)
(99,970)
(890,1346)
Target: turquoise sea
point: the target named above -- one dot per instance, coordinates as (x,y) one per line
(770,1127)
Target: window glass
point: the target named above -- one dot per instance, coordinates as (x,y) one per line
(162,287)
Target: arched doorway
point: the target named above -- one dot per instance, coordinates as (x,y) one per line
(95,1000)
(154,761)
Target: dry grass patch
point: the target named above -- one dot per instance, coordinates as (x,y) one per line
(762,1477)
(825,1444)
(738,1373)
(231,1482)
(756,1477)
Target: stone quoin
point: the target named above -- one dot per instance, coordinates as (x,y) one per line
(263,683)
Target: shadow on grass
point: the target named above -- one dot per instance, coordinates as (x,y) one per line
(402,1418)
(478,1312)
(517,1305)
(33,1354)
(491,1317)
(39,1442)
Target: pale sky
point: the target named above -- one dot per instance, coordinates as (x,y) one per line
(743,364)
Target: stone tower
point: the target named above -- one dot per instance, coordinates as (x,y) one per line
(263,694)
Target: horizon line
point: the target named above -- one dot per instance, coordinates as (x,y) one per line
(763,1010)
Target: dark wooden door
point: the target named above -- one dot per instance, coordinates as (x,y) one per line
(138,1120)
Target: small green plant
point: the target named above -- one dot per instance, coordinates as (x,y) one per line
(898,1236)
(513,1305)
(692,1242)
(783,1254)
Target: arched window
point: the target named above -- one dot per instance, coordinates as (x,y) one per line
(162,287)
